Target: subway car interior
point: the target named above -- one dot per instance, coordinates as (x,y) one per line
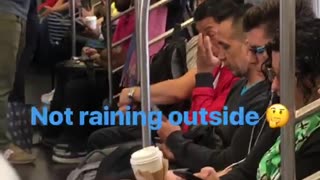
(159,90)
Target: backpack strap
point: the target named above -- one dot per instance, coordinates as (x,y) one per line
(176,32)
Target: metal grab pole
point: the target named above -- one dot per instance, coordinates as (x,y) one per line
(287,86)
(109,49)
(137,7)
(307,110)
(73,24)
(142,19)
(316,7)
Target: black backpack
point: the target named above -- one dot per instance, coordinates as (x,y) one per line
(170,63)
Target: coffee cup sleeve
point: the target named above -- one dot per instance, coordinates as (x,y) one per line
(165,167)
(154,176)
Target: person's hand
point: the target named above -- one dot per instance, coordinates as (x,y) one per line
(97,57)
(124,99)
(48,11)
(166,152)
(206,61)
(89,51)
(207,173)
(166,129)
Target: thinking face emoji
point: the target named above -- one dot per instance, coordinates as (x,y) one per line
(277,115)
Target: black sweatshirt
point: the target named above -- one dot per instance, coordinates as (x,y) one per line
(307,158)
(193,156)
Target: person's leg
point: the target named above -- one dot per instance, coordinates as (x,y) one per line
(10,42)
(9,45)
(105,137)
(79,95)
(18,92)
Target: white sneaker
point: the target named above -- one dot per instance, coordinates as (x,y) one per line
(47,98)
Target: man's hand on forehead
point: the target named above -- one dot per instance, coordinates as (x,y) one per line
(206,60)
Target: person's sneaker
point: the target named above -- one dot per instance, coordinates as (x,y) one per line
(71,157)
(68,154)
(16,155)
(61,148)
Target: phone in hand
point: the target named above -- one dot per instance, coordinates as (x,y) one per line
(185,175)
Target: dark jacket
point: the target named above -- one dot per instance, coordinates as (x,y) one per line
(235,138)
(307,158)
(16,7)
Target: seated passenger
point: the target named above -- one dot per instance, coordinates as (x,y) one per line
(206,25)
(125,27)
(266,164)
(252,93)
(70,147)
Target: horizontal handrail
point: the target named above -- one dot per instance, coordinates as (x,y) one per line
(307,110)
(122,14)
(153,6)
(170,32)
(118,69)
(121,41)
(96,4)
(155,40)
(315,176)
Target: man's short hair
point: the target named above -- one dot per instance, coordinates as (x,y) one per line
(237,21)
(268,14)
(221,10)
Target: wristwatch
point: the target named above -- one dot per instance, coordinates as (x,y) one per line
(131,93)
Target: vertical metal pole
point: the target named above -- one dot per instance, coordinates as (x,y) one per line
(73,32)
(109,48)
(142,19)
(138,37)
(316,6)
(287,86)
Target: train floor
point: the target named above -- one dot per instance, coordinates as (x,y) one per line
(38,82)
(43,168)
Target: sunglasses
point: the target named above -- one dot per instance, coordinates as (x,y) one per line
(258,50)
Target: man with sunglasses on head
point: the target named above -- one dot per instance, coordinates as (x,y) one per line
(265,163)
(262,26)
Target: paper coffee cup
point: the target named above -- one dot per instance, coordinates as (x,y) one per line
(91,22)
(148,159)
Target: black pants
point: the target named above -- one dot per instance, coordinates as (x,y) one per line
(110,136)
(81,96)
(79,93)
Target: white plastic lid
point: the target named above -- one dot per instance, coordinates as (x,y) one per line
(146,155)
(91,18)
